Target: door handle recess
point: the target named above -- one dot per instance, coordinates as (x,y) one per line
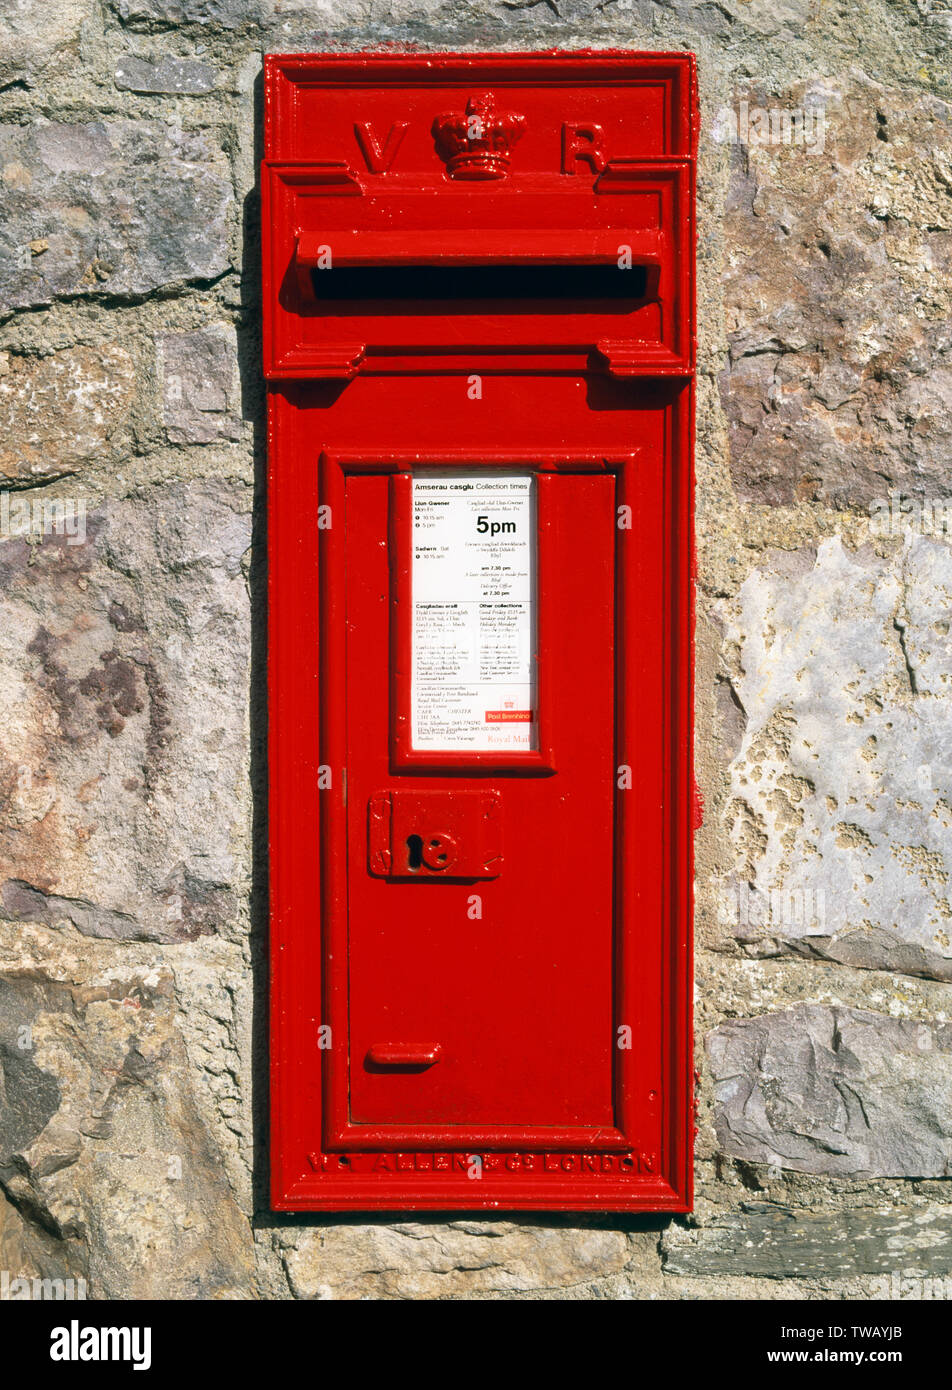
(415,1056)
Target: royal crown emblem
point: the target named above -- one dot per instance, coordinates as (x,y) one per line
(478,144)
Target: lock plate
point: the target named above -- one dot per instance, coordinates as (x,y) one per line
(435,834)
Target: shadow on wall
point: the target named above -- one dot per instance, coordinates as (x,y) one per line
(254,408)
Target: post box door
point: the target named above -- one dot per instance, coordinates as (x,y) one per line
(479,984)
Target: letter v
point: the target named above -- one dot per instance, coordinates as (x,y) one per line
(379,158)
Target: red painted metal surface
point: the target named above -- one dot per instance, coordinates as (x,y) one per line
(460,832)
(481,967)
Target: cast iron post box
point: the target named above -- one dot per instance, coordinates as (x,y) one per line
(479,343)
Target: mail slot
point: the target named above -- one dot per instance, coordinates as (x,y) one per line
(478,290)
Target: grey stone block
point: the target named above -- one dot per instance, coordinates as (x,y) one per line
(121,207)
(841,1091)
(106,1147)
(839,809)
(36,37)
(61,412)
(199,381)
(839,378)
(167,14)
(125,658)
(166,75)
(782,1243)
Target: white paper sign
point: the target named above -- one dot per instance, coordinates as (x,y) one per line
(473,595)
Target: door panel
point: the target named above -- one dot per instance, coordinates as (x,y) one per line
(496,1012)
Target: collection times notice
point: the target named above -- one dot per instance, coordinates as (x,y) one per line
(473,595)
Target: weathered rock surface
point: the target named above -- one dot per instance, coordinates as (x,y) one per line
(841,1091)
(35,35)
(119,208)
(165,74)
(32,1254)
(779,1242)
(690,17)
(462,1258)
(60,412)
(223,14)
(105,1155)
(840,809)
(839,376)
(198,373)
(758,17)
(124,669)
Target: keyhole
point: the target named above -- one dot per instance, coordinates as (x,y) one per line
(415,846)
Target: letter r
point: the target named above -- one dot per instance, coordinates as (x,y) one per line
(582,140)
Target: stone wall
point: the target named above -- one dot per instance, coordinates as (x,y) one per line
(131,742)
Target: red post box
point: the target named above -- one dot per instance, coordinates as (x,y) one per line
(479,342)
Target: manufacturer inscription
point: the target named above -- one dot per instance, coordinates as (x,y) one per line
(498,1164)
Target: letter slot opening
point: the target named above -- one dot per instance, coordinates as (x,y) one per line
(560,289)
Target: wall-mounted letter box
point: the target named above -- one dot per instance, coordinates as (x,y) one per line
(479,343)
